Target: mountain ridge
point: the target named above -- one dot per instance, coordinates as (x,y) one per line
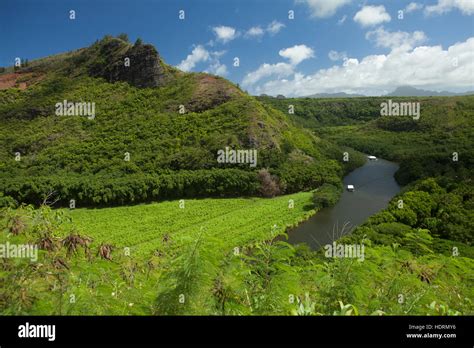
(401,91)
(409,91)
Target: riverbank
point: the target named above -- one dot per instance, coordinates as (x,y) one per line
(375,186)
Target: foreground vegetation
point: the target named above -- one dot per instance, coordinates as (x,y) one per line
(216,269)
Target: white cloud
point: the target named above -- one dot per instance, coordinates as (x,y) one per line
(274,27)
(199,54)
(255,32)
(413,6)
(428,67)
(443,6)
(334,55)
(396,40)
(297,53)
(225,34)
(217,68)
(342,20)
(324,8)
(372,15)
(266,70)
(217,54)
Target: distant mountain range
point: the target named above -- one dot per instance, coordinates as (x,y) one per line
(408,91)
(402,91)
(335,95)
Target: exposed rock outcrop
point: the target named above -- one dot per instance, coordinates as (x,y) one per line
(140,64)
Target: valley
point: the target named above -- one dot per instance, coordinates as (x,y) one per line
(374,186)
(177,228)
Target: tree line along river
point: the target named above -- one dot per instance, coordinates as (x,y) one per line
(374,186)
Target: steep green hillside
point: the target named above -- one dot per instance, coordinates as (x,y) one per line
(138,146)
(319,112)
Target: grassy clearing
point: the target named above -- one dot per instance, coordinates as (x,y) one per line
(234,222)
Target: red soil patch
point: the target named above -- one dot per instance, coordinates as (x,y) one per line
(11,80)
(210,92)
(8,80)
(212,84)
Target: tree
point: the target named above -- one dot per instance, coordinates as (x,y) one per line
(123,37)
(268,183)
(325,196)
(139,42)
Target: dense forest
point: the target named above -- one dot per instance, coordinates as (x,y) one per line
(438,144)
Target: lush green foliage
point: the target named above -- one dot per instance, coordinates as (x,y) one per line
(234,221)
(315,113)
(224,256)
(326,196)
(202,272)
(103,190)
(172,155)
(430,222)
(426,218)
(424,148)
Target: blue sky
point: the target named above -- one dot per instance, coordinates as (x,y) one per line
(330,45)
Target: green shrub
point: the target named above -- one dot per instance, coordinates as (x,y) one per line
(326,196)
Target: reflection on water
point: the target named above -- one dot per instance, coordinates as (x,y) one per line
(374,186)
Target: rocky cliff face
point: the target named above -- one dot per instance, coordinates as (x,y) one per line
(145,68)
(140,64)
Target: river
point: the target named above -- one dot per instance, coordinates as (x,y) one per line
(374,185)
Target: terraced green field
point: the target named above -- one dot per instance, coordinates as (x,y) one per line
(235,222)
